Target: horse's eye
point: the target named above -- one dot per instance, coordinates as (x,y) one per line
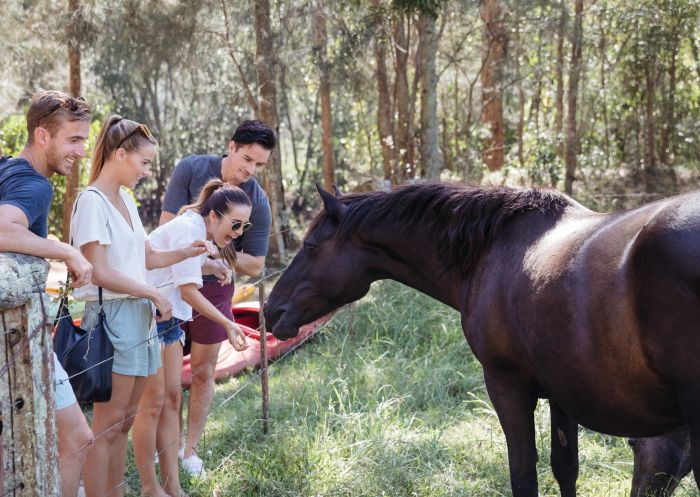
(309,247)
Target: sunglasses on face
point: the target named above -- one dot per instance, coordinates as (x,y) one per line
(141,128)
(71,104)
(236,224)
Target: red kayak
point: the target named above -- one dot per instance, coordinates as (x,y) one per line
(231,362)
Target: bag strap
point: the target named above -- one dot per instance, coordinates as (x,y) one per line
(62,304)
(99,288)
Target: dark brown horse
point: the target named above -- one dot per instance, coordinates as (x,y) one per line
(600,313)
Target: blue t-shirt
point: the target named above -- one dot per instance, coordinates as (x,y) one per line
(29,191)
(193,172)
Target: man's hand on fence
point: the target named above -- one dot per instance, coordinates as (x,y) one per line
(80,269)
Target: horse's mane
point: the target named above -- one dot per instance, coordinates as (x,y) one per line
(463,219)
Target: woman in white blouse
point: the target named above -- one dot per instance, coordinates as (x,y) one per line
(220,214)
(107,229)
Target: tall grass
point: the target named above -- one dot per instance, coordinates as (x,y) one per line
(387,400)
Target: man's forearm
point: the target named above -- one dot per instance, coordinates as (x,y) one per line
(249,265)
(17,238)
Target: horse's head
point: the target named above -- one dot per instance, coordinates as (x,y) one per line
(328,272)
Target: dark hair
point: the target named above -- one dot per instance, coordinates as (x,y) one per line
(118,132)
(218,196)
(49,109)
(254,131)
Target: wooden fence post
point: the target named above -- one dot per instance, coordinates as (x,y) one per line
(265,382)
(28,445)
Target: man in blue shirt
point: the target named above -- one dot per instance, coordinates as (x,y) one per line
(58,127)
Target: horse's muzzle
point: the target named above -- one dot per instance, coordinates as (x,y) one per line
(275,322)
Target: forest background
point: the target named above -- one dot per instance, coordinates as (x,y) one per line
(598,98)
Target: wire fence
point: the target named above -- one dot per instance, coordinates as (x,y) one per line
(220,358)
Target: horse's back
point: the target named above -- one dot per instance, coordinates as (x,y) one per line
(598,308)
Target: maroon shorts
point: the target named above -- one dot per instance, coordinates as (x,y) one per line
(202,329)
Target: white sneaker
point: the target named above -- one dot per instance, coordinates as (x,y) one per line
(194,466)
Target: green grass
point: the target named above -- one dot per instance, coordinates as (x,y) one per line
(387,400)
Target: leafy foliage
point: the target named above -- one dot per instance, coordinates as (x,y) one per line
(166,63)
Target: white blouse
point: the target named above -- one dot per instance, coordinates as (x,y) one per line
(177,233)
(95,219)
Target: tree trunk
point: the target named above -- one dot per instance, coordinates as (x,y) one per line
(455,152)
(401,97)
(384,111)
(519,85)
(604,91)
(73,179)
(267,105)
(320,44)
(431,157)
(288,116)
(650,145)
(572,139)
(559,117)
(537,97)
(496,40)
(665,147)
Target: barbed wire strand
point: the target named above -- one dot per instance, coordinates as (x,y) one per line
(18,486)
(218,359)
(195,372)
(35,333)
(253,377)
(149,339)
(120,422)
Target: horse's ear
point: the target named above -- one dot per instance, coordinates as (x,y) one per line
(334,207)
(337,191)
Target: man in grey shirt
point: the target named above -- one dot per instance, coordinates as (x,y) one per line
(248,151)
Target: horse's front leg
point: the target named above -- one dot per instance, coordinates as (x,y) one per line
(564,446)
(515,406)
(660,463)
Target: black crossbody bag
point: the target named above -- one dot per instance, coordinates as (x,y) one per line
(86,355)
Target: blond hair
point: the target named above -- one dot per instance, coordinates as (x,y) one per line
(118,132)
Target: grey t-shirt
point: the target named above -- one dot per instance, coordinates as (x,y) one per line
(193,172)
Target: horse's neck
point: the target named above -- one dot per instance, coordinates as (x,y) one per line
(414,262)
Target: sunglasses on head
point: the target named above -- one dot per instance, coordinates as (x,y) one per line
(70,103)
(237,225)
(142,128)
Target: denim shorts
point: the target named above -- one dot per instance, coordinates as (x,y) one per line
(170,332)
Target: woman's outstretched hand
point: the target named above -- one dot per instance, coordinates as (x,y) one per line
(200,247)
